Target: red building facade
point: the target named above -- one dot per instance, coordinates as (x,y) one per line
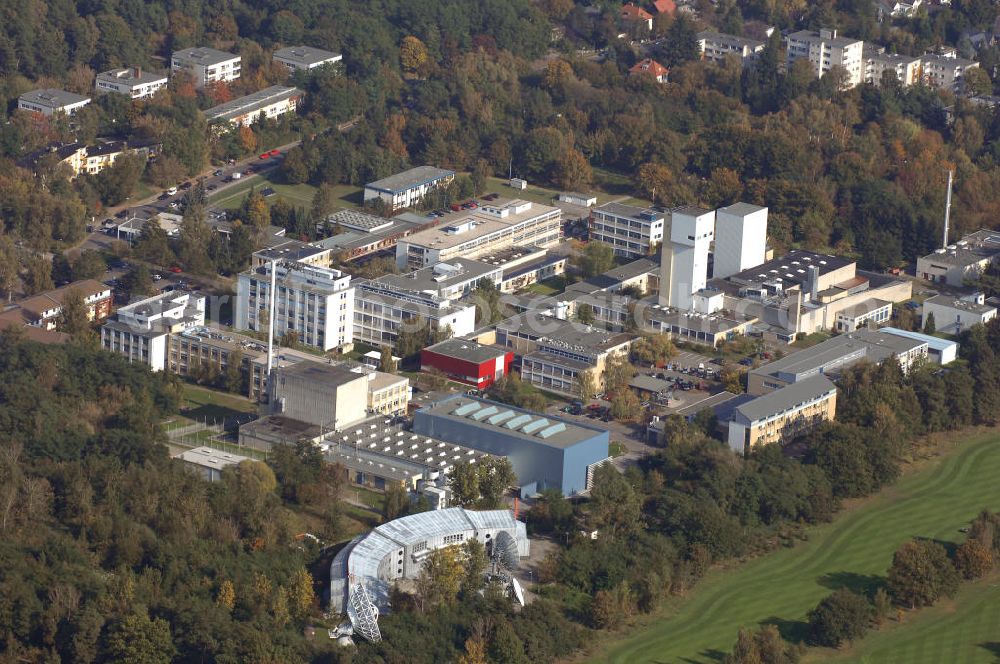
(467,362)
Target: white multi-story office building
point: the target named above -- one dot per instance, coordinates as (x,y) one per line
(51,101)
(316,303)
(130,81)
(824,50)
(716,47)
(408,188)
(140,331)
(382,307)
(631,231)
(207,65)
(480,231)
(305,57)
(740,238)
(684,263)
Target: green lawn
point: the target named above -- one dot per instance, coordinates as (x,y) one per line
(299,195)
(550,286)
(202,404)
(854,551)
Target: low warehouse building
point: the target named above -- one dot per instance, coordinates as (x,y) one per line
(467,362)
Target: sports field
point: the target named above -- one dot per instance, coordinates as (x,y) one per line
(854,551)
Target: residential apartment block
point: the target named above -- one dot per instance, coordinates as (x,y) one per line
(44,309)
(906,68)
(269,103)
(130,81)
(51,101)
(945,71)
(406,189)
(305,57)
(824,50)
(315,303)
(384,306)
(716,47)
(140,331)
(207,65)
(631,231)
(936,70)
(781,415)
(498,225)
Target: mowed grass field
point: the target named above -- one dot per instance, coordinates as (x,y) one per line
(854,551)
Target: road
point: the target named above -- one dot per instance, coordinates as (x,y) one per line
(99,240)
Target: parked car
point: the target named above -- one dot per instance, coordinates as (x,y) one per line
(747,361)
(175,269)
(211,187)
(171,191)
(162,197)
(217,173)
(264,155)
(274,153)
(156,276)
(186,186)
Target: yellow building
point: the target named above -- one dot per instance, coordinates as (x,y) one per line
(779,416)
(388,393)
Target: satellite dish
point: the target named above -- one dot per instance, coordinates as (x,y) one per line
(505,551)
(518,592)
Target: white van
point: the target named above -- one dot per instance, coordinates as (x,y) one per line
(171,191)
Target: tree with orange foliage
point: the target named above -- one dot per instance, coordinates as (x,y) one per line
(248,139)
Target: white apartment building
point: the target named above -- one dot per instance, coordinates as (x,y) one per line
(207,65)
(716,47)
(130,81)
(316,303)
(141,330)
(408,188)
(305,57)
(51,101)
(877,61)
(684,261)
(944,70)
(382,307)
(631,231)
(268,103)
(740,238)
(473,233)
(824,50)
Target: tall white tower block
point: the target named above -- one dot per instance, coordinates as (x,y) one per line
(684,267)
(740,238)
